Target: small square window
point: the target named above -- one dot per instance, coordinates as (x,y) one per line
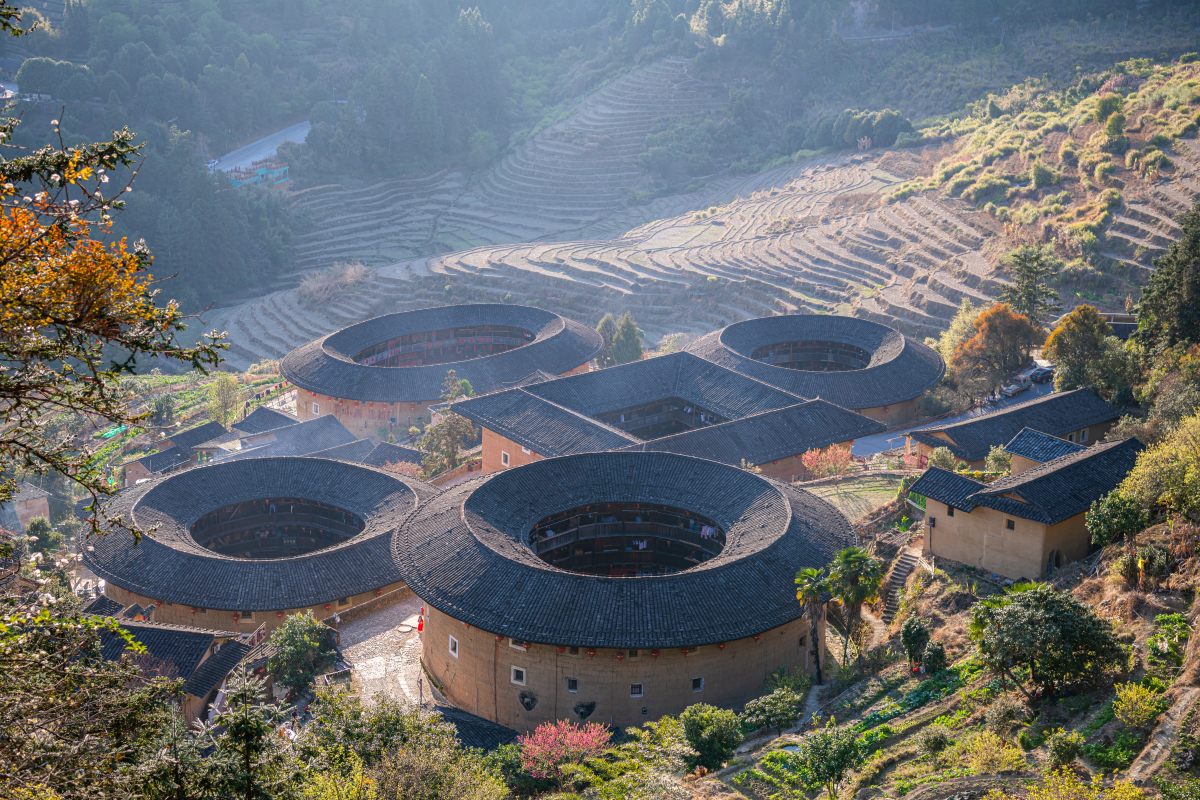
(633,654)
(515,645)
(454,647)
(697,684)
(802,640)
(573,651)
(345,601)
(645,711)
(949,511)
(1070,437)
(525,450)
(572,685)
(246,615)
(1008,523)
(518,676)
(635,690)
(316,410)
(202,610)
(1083,435)
(504,458)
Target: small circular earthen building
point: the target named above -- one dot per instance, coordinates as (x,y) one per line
(854,363)
(613,587)
(386,372)
(244,543)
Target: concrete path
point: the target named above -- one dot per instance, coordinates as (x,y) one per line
(869,445)
(263,148)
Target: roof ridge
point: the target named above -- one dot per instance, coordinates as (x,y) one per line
(1035,473)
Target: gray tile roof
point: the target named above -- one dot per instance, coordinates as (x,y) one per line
(465,553)
(1040,447)
(103,606)
(1057,414)
(476,731)
(173,651)
(170,565)
(900,369)
(215,668)
(768,436)
(27,491)
(1049,493)
(544,427)
(300,439)
(182,445)
(388,453)
(352,452)
(185,440)
(326,365)
(264,419)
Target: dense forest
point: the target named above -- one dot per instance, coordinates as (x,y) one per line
(412,86)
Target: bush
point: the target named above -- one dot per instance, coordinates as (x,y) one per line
(305,645)
(1064,747)
(988,754)
(1113,517)
(44,539)
(1137,706)
(1106,106)
(933,739)
(795,679)
(1004,712)
(712,732)
(934,658)
(1030,739)
(914,636)
(777,710)
(998,460)
(943,458)
(1043,176)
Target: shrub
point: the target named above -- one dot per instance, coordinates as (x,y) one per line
(988,754)
(712,732)
(933,739)
(914,636)
(1043,176)
(934,658)
(1065,785)
(547,751)
(1114,516)
(1137,706)
(1067,152)
(998,460)
(1106,106)
(795,679)
(1030,739)
(1004,712)
(305,645)
(777,710)
(943,458)
(1064,747)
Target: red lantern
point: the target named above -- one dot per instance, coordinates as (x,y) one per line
(236,617)
(654,654)
(157,603)
(526,645)
(720,645)
(757,637)
(591,652)
(327,606)
(279,614)
(561,649)
(499,638)
(620,656)
(420,625)
(193,611)
(422,610)
(466,624)
(378,592)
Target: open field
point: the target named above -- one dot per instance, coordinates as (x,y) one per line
(857,496)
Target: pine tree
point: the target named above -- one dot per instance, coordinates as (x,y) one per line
(627,344)
(1029,296)
(1169,312)
(608,331)
(424,123)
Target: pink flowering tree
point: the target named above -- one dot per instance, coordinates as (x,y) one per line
(832,460)
(554,745)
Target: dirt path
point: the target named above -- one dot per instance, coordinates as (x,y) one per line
(1164,737)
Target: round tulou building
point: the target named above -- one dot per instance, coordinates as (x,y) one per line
(241,544)
(613,587)
(854,363)
(386,372)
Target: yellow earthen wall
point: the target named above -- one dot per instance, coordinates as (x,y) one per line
(494,444)
(981,538)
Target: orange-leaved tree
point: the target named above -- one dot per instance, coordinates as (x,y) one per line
(1002,343)
(75,312)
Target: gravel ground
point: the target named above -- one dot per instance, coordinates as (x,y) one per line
(385,651)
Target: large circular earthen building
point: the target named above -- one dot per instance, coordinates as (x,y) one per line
(613,587)
(241,544)
(386,372)
(854,363)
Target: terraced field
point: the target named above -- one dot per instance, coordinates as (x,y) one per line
(549,226)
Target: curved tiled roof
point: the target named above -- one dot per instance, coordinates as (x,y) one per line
(465,553)
(170,565)
(326,365)
(901,368)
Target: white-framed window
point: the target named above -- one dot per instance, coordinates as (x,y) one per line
(635,690)
(1070,437)
(515,645)
(518,676)
(634,654)
(454,647)
(1083,435)
(572,685)
(316,410)
(525,450)
(247,616)
(504,458)
(697,684)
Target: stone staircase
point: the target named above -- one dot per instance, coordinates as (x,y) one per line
(904,567)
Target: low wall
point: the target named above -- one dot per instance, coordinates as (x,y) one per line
(371,606)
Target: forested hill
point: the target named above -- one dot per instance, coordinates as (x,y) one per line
(410,86)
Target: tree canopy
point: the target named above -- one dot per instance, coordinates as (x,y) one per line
(1169,311)
(627,342)
(1029,294)
(1076,347)
(1001,345)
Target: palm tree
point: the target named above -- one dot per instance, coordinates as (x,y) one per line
(855,577)
(811,587)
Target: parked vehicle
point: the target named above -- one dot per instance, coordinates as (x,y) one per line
(1018,384)
(1042,375)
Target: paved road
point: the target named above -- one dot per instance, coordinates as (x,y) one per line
(869,445)
(263,148)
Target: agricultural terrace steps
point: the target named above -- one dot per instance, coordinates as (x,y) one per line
(1164,737)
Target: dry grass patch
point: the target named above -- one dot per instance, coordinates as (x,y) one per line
(322,287)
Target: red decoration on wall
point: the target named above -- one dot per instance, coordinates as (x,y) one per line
(279,613)
(757,637)
(157,603)
(685,650)
(561,649)
(327,606)
(591,652)
(654,654)
(620,656)
(499,638)
(720,645)
(378,591)
(466,624)
(193,611)
(236,617)
(526,645)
